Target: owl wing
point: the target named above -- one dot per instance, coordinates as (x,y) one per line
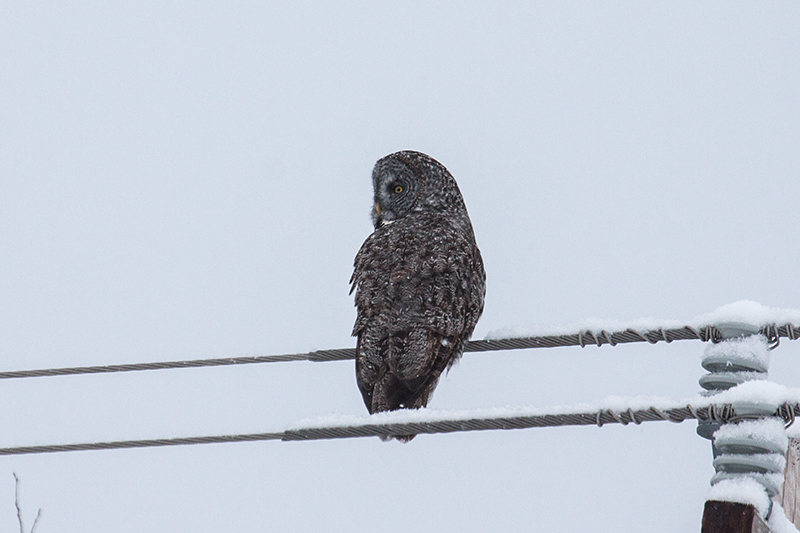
(419,292)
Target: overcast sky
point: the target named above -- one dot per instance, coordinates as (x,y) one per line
(181,180)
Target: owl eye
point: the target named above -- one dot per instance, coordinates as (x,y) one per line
(398,189)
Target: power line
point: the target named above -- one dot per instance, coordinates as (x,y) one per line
(582,338)
(716,412)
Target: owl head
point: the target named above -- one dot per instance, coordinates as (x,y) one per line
(410,182)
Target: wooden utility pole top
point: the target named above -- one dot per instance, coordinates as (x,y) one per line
(730,517)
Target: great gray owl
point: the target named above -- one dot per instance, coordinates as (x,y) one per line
(419,283)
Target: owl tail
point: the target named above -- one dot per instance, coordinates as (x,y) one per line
(391,394)
(398,380)
(399,438)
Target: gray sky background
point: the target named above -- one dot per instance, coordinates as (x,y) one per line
(185,180)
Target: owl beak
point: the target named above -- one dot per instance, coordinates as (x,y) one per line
(377,219)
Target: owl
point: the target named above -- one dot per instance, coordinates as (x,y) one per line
(419,283)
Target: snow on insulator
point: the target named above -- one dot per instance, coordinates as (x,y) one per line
(753,436)
(749,450)
(753,449)
(741,355)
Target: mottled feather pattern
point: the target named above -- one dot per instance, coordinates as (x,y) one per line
(419,283)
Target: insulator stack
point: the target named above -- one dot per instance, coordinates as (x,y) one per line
(752,447)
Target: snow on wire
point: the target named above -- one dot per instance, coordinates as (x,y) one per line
(715,412)
(771,323)
(582,338)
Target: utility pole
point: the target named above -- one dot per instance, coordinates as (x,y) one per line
(732,517)
(790,495)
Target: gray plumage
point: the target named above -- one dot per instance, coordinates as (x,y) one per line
(419,283)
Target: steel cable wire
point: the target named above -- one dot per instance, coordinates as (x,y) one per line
(583,338)
(719,413)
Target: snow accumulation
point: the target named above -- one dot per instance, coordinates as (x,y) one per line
(758,392)
(436,415)
(743,490)
(753,350)
(767,430)
(755,392)
(745,311)
(778,523)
